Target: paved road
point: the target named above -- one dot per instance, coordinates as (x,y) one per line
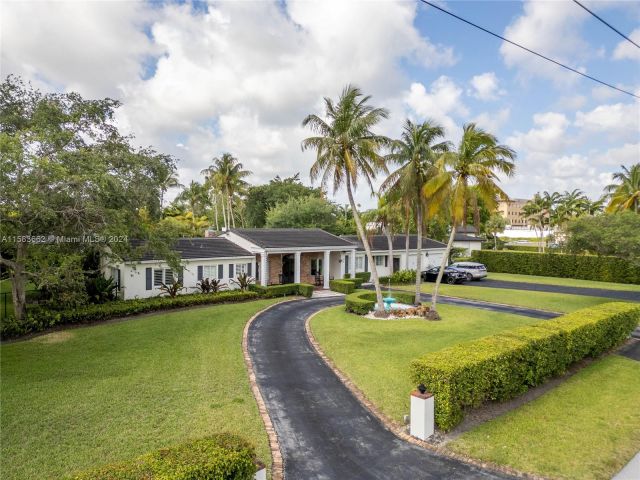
(324,432)
(538,287)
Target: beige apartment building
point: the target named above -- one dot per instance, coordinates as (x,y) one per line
(512,211)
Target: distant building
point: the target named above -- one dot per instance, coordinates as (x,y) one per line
(511,210)
(467,237)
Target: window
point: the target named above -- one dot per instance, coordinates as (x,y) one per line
(316,266)
(210,271)
(241,268)
(168,276)
(359,263)
(157,277)
(379,259)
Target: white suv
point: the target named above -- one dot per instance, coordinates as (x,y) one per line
(474,271)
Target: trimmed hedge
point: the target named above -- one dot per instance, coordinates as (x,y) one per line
(219,457)
(39,319)
(272,291)
(521,248)
(342,286)
(362,302)
(503,366)
(365,276)
(585,267)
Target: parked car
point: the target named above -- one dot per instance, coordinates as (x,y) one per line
(473,270)
(450,275)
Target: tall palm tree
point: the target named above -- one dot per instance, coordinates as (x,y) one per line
(477,161)
(386,216)
(195,197)
(569,205)
(540,213)
(624,194)
(347,149)
(416,151)
(168,180)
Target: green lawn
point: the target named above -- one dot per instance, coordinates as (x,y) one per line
(554,302)
(375,354)
(567,282)
(587,428)
(88,396)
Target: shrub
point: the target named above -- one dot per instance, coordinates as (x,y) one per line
(39,319)
(365,276)
(358,281)
(219,457)
(502,366)
(403,276)
(211,285)
(272,291)
(243,281)
(342,286)
(362,302)
(347,275)
(521,248)
(586,267)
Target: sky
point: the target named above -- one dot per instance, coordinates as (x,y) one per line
(200,79)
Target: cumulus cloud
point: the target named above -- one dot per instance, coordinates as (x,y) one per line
(627,154)
(494,121)
(485,86)
(626,50)
(618,120)
(547,136)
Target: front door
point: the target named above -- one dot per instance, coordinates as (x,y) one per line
(396,264)
(288,267)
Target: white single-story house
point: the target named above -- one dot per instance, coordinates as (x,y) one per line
(271,255)
(432,252)
(466,237)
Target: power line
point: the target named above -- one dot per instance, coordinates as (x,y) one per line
(529,50)
(607,24)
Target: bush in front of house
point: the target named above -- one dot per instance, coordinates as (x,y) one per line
(503,366)
(362,302)
(342,286)
(365,276)
(284,290)
(218,457)
(585,267)
(39,319)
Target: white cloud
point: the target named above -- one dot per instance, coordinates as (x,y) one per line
(627,154)
(493,122)
(552,29)
(441,102)
(548,135)
(571,166)
(485,86)
(626,50)
(618,120)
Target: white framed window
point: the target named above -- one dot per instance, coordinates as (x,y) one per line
(157,277)
(210,272)
(379,259)
(168,276)
(240,268)
(359,263)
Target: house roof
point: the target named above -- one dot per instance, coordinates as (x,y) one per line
(291,237)
(214,247)
(463,237)
(379,242)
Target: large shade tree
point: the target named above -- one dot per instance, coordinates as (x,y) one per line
(417,150)
(624,192)
(70,182)
(475,164)
(348,150)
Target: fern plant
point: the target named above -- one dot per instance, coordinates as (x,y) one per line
(172,289)
(243,281)
(211,285)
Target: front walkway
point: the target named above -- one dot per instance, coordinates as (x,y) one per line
(323,431)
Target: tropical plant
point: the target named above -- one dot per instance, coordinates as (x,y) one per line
(348,149)
(243,281)
(194,197)
(386,216)
(168,180)
(416,151)
(495,225)
(624,193)
(477,161)
(171,289)
(539,213)
(101,289)
(210,285)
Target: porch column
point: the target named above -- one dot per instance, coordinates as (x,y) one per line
(326,267)
(352,262)
(264,269)
(296,267)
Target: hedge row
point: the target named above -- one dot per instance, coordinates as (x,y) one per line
(362,302)
(586,267)
(39,319)
(343,286)
(401,277)
(503,366)
(272,291)
(219,457)
(521,248)
(365,276)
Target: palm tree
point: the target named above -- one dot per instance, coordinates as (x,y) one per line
(416,152)
(569,205)
(195,197)
(624,194)
(167,181)
(476,162)
(347,149)
(386,215)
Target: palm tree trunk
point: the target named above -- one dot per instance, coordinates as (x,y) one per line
(387,232)
(416,301)
(367,248)
(445,258)
(232,219)
(215,206)
(406,240)
(224,215)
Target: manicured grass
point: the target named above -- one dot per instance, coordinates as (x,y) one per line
(567,282)
(88,396)
(587,428)
(375,354)
(554,302)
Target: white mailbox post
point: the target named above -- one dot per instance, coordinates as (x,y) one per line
(422,415)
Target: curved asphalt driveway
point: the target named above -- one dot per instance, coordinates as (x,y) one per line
(324,432)
(538,287)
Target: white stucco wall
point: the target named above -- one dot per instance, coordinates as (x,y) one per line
(469,246)
(432,260)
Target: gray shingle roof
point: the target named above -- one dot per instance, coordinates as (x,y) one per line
(379,242)
(214,247)
(291,237)
(463,237)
